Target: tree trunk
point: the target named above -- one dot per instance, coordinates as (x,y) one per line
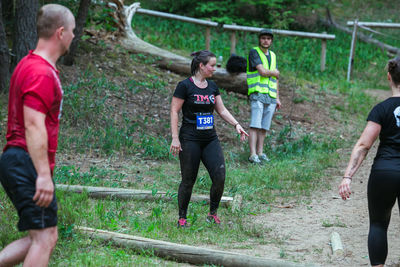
(80,24)
(176,63)
(25,35)
(4,56)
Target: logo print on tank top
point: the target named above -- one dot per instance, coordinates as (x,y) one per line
(396,114)
(204,99)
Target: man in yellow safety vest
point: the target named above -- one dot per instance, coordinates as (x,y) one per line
(262,81)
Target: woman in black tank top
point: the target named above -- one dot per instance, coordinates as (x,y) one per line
(384,180)
(197,140)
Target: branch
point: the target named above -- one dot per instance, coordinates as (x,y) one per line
(130,11)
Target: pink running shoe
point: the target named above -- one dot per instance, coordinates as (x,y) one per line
(182,223)
(213,218)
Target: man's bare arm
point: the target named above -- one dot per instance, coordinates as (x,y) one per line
(37,143)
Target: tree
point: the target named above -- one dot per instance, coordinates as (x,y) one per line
(25,35)
(80,24)
(4,56)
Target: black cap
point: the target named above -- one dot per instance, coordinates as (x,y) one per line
(265,32)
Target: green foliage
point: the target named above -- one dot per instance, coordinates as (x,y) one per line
(101,18)
(245,12)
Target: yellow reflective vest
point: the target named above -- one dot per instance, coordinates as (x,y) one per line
(258,83)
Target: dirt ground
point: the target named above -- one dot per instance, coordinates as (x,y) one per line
(306,228)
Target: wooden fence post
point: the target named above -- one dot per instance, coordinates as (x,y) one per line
(352,49)
(233,41)
(208,38)
(323,53)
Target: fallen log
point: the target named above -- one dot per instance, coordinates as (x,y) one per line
(336,243)
(120,193)
(184,253)
(168,60)
(331,23)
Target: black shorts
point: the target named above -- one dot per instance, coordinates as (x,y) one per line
(18,177)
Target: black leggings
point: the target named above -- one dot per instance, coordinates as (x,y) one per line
(210,153)
(383,190)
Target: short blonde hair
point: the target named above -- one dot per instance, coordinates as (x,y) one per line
(51,17)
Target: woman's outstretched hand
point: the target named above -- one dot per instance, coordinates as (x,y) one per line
(242,132)
(344,188)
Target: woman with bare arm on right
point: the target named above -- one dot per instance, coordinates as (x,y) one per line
(384,179)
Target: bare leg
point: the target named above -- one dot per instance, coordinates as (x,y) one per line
(253,140)
(43,243)
(260,140)
(15,252)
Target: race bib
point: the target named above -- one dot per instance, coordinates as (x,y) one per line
(205,122)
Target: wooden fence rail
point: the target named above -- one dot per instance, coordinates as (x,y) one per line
(375,24)
(234,28)
(357,24)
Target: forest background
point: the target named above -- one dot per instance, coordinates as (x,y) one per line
(115,124)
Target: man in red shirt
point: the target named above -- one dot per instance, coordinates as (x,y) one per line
(26,166)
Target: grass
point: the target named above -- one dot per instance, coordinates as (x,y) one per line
(110,131)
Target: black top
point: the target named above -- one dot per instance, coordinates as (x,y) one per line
(254,60)
(387,114)
(198,101)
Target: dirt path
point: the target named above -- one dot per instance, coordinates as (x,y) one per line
(302,232)
(306,228)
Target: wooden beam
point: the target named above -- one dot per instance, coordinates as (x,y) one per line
(336,243)
(280,32)
(120,193)
(233,27)
(208,38)
(323,54)
(233,42)
(184,253)
(375,24)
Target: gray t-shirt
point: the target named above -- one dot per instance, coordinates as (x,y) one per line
(254,60)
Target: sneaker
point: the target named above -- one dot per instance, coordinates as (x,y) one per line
(213,218)
(182,223)
(263,157)
(254,159)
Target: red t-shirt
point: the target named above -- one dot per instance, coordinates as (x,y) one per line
(36,84)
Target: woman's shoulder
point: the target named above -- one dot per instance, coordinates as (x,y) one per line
(184,83)
(389,102)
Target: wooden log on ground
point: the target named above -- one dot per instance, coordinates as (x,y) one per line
(120,193)
(168,60)
(185,253)
(336,243)
(331,23)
